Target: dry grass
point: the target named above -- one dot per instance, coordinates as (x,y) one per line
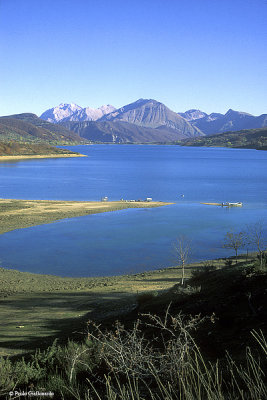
(16,214)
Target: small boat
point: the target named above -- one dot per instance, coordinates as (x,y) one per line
(228,204)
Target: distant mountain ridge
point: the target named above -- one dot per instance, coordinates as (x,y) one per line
(28,127)
(246,139)
(192,115)
(143,112)
(148,120)
(143,121)
(123,132)
(150,113)
(218,123)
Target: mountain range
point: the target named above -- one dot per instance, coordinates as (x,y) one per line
(217,123)
(123,132)
(73,112)
(148,120)
(143,121)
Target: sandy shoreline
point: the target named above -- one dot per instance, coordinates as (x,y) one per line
(10,158)
(17,214)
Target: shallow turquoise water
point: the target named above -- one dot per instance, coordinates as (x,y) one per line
(138,239)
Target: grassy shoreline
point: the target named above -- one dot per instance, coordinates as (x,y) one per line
(35,309)
(18,214)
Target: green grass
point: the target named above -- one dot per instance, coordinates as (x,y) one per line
(48,306)
(150,353)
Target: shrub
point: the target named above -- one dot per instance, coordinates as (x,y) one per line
(170,366)
(203,270)
(228,262)
(131,364)
(144,297)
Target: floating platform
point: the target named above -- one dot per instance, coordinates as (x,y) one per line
(227,204)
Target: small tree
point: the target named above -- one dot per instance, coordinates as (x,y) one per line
(255,237)
(182,248)
(234,241)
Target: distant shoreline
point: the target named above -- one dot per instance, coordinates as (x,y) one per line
(22,157)
(18,214)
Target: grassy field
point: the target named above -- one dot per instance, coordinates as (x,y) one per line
(35,309)
(16,214)
(201,340)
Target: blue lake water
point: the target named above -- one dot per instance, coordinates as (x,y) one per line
(133,240)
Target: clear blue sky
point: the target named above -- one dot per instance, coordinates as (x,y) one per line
(205,54)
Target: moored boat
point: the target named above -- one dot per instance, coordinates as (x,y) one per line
(228,204)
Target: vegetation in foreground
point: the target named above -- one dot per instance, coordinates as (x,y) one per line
(246,139)
(201,340)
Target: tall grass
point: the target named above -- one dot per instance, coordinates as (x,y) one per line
(171,366)
(157,359)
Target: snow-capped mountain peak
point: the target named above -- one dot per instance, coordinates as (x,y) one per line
(74,112)
(192,115)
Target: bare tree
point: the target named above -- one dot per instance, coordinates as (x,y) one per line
(234,241)
(255,237)
(182,248)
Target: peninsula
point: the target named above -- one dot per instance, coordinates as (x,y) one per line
(19,151)
(17,214)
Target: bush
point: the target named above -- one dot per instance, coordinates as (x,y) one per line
(131,364)
(170,366)
(201,271)
(260,267)
(228,262)
(144,297)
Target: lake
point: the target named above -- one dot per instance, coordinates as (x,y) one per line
(134,240)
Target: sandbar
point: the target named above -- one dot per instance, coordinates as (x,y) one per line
(25,157)
(17,214)
(212,204)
